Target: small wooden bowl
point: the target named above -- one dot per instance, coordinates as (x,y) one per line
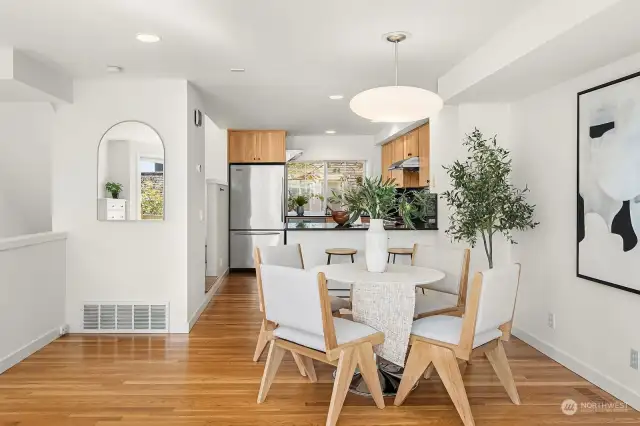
(340,216)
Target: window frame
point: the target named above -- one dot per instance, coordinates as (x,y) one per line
(325,182)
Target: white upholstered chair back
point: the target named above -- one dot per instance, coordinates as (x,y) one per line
(446,259)
(497,297)
(292,298)
(284,255)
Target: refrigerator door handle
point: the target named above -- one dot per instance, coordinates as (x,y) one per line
(255,233)
(284,201)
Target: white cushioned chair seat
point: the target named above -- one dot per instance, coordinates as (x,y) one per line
(447,329)
(338,303)
(432,302)
(346,331)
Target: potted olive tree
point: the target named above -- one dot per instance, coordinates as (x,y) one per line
(482,199)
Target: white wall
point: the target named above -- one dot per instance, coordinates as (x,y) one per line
(596,326)
(25,168)
(125,261)
(33,294)
(336,147)
(196,228)
(216,152)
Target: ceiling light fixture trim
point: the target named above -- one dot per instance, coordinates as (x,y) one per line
(396,104)
(148,38)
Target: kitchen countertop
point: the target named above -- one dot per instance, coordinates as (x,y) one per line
(362,227)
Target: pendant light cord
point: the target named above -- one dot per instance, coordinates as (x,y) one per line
(396,48)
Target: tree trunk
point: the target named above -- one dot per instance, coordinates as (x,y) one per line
(488,248)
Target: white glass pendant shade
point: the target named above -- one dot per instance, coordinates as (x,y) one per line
(396,104)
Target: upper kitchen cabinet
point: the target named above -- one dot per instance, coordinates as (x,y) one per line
(425,154)
(411,144)
(272,146)
(256,146)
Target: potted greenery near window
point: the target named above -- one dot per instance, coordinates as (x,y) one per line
(114,189)
(339,214)
(482,199)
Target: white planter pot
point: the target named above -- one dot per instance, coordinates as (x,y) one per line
(376,246)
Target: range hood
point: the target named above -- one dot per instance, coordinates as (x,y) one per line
(410,164)
(293,154)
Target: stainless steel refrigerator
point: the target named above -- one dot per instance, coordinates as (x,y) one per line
(258,207)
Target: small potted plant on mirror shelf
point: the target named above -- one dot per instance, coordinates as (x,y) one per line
(114,189)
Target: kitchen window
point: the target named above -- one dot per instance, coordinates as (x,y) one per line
(316,179)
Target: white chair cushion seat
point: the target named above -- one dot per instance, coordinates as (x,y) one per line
(432,302)
(338,303)
(346,331)
(447,329)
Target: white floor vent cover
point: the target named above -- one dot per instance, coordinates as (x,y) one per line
(125,318)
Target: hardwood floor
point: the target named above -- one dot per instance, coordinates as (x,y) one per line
(208,378)
(209,282)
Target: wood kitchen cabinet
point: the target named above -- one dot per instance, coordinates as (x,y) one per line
(256,146)
(413,144)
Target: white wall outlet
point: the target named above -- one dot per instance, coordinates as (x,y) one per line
(220,262)
(551,320)
(64,330)
(634,359)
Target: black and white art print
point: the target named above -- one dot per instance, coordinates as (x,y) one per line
(609,184)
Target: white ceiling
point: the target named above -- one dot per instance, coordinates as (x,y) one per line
(296,52)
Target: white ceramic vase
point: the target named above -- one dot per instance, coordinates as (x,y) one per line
(376,245)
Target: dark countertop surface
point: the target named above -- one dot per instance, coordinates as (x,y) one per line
(363,227)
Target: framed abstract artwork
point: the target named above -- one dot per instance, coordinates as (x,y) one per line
(608,216)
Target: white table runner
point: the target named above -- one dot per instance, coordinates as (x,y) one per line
(384,301)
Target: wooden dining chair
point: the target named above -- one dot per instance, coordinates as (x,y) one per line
(447,296)
(290,256)
(443,339)
(298,301)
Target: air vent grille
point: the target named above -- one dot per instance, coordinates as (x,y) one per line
(125,318)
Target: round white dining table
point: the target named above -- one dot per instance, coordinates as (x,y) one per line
(386,302)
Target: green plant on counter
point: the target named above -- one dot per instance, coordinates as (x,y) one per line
(301,200)
(482,200)
(114,188)
(419,206)
(374,196)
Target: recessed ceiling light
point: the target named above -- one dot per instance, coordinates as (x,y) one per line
(336,97)
(147,38)
(237,70)
(114,69)
(330,132)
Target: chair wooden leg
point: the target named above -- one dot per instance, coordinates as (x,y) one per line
(462,365)
(300,363)
(498,359)
(271,367)
(369,371)
(346,367)
(307,364)
(419,359)
(429,371)
(263,339)
(447,367)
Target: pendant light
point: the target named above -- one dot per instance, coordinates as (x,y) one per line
(396,104)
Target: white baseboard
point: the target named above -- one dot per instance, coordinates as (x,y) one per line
(207,299)
(589,373)
(29,349)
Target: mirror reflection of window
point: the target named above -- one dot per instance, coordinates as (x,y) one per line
(151,188)
(131,173)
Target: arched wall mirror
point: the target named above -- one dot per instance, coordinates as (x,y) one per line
(131,173)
